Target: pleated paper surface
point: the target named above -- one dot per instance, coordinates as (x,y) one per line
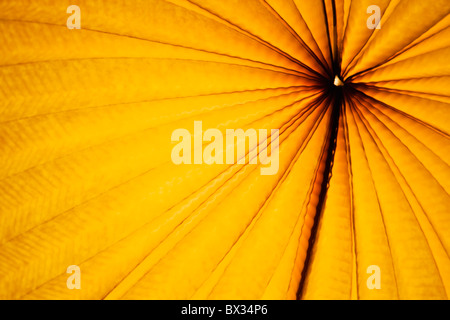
(87,176)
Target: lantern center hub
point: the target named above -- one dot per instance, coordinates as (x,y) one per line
(338,82)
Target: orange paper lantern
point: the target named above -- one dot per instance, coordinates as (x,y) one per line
(357,206)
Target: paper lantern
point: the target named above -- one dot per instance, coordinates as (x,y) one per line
(356,206)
